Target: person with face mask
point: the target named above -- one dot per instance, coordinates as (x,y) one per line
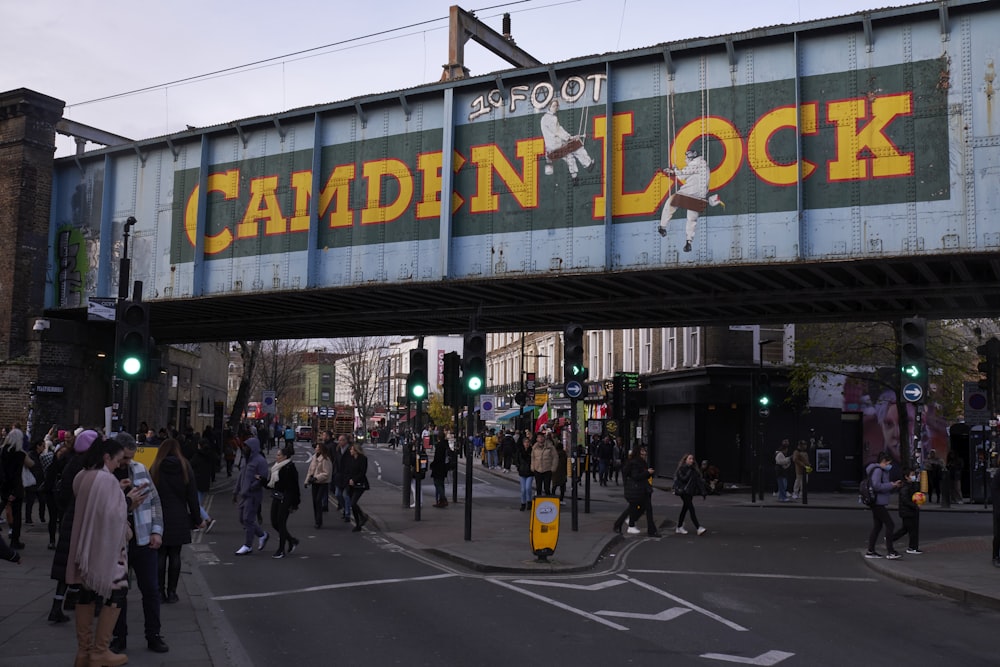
(909,512)
(884,487)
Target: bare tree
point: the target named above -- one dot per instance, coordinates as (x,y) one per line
(362,368)
(249,352)
(278,369)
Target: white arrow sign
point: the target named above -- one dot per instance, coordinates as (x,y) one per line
(665,615)
(769,658)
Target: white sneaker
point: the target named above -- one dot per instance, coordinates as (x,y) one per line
(681,530)
(633,530)
(262,540)
(244,550)
(702,530)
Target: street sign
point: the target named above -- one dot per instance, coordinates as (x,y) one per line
(913,392)
(574,389)
(977,409)
(487,407)
(101,309)
(269,405)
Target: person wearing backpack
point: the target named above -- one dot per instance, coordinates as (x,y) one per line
(883,487)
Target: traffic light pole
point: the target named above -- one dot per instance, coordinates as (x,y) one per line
(575,444)
(470,427)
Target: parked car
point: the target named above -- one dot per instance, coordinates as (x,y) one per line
(303,433)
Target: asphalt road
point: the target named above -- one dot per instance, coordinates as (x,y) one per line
(782,587)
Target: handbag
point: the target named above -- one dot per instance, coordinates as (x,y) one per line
(27,478)
(278,495)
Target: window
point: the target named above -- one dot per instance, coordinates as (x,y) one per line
(692,351)
(670,348)
(645,350)
(628,350)
(324,378)
(608,369)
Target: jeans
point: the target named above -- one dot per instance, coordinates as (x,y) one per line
(688,507)
(526,490)
(543,483)
(343,496)
(491,458)
(320,501)
(782,488)
(248,517)
(201,507)
(279,520)
(880,519)
(144,563)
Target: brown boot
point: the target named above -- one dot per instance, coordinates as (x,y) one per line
(84,634)
(101,655)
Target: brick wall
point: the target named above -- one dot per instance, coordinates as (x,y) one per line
(27,145)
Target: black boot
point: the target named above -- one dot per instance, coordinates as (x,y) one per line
(57,615)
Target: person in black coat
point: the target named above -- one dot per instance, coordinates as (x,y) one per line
(688,484)
(995,499)
(638,493)
(204,465)
(439,471)
(174,480)
(12,489)
(283,482)
(358,484)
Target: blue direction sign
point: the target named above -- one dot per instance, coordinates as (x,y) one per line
(913,392)
(574,389)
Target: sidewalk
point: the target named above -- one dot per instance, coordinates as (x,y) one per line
(958,568)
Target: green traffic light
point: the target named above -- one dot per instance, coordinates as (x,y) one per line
(765,401)
(474,383)
(911,371)
(131,366)
(418,391)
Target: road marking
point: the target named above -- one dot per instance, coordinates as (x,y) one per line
(769,658)
(665,615)
(691,605)
(752,575)
(599,586)
(565,607)
(328,587)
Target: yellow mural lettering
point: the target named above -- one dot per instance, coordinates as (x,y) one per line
(429,165)
(626,203)
(374,172)
(301,191)
(227,183)
(767,126)
(489,159)
(263,207)
(694,133)
(867,152)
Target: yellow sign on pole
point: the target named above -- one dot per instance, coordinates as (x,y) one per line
(146,454)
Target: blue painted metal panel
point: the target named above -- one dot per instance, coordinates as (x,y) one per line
(821,144)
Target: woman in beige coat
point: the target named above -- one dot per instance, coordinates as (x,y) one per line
(543,462)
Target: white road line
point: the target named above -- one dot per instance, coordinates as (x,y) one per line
(565,607)
(601,585)
(665,615)
(700,610)
(753,575)
(328,587)
(768,658)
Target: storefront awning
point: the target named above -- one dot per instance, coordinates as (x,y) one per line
(513,414)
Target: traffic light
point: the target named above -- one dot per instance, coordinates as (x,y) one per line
(990,368)
(764,391)
(416,381)
(474,355)
(132,339)
(913,351)
(573,368)
(452,380)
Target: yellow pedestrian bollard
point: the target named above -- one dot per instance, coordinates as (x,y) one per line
(544,527)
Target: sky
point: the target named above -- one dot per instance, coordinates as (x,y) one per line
(267,57)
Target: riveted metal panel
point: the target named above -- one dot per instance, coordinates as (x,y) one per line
(821,144)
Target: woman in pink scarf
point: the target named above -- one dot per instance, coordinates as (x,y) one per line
(97,553)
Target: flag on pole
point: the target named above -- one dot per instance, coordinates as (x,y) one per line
(543,417)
